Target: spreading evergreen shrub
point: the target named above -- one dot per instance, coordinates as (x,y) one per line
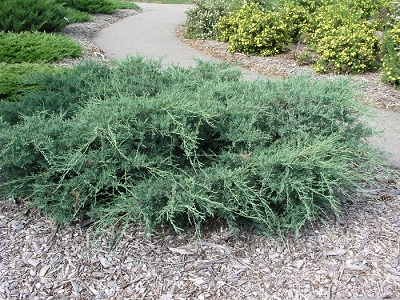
(31,15)
(67,91)
(251,30)
(32,47)
(74,15)
(199,143)
(123,4)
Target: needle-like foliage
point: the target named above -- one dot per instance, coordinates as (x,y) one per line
(139,143)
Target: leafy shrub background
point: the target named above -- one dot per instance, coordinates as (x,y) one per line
(391,56)
(36,47)
(342,35)
(202,18)
(343,38)
(347,49)
(185,146)
(31,15)
(252,31)
(296,16)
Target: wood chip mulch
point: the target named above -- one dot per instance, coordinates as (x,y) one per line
(356,256)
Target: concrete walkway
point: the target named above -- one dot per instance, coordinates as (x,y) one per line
(152,34)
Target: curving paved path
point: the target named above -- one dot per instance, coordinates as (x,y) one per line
(152,34)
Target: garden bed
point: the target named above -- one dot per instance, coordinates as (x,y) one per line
(355,256)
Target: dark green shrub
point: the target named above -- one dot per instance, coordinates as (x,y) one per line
(251,30)
(90,6)
(74,15)
(97,6)
(32,47)
(122,4)
(31,15)
(273,154)
(13,79)
(202,18)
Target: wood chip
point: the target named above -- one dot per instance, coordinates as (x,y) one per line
(104,262)
(181,251)
(43,270)
(337,252)
(354,267)
(299,264)
(33,262)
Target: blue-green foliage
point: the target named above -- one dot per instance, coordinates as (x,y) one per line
(132,142)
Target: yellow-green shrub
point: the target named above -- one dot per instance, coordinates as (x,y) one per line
(296,17)
(366,8)
(326,18)
(310,5)
(391,58)
(250,30)
(343,39)
(347,49)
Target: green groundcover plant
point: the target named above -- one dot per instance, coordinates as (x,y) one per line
(52,15)
(151,145)
(32,47)
(14,79)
